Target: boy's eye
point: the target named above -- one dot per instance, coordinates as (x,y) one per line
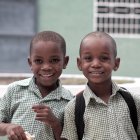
(104,58)
(87,58)
(38,61)
(54,60)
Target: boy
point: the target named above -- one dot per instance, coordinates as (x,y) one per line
(36,105)
(106,115)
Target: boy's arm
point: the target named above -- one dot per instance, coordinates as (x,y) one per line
(3,128)
(69,129)
(45,114)
(12,131)
(57,129)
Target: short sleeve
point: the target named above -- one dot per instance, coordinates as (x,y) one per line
(69,128)
(5,104)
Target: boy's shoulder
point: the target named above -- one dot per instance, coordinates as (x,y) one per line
(66,94)
(71,104)
(16,86)
(24,82)
(135,96)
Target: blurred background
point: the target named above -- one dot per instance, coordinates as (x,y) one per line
(21,19)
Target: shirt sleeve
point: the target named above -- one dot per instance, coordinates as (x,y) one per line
(69,129)
(5,104)
(137,102)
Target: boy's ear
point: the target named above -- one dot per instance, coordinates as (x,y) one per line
(79,64)
(66,60)
(30,63)
(117,64)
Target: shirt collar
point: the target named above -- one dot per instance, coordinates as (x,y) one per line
(115,88)
(58,93)
(88,94)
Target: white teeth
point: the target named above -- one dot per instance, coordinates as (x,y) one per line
(96,72)
(47,75)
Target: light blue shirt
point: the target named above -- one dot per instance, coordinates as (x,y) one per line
(16,106)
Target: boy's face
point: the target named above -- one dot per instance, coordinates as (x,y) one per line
(97,60)
(47,61)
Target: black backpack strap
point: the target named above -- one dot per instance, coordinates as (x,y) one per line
(132,107)
(79,113)
(80,109)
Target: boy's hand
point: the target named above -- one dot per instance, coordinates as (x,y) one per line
(15,132)
(45,114)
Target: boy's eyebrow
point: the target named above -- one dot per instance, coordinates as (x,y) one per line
(37,56)
(105,53)
(102,54)
(53,56)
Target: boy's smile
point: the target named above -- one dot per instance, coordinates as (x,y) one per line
(47,61)
(97,60)
(96,73)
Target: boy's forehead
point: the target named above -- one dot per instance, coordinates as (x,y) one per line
(96,41)
(46,44)
(96,38)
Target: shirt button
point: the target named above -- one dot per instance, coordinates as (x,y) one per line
(110,110)
(113,135)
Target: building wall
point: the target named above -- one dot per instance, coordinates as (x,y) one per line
(17,26)
(128,51)
(74,20)
(71,19)
(20,20)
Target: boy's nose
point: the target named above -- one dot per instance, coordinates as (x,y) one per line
(96,63)
(46,66)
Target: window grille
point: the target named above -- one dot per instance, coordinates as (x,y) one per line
(120,18)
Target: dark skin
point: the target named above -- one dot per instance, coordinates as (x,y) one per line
(46,61)
(97,61)
(103,92)
(47,64)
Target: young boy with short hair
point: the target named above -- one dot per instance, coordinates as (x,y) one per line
(35,105)
(106,115)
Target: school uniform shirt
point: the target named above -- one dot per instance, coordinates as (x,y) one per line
(16,106)
(103,121)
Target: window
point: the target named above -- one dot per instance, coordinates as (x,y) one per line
(17,26)
(120,18)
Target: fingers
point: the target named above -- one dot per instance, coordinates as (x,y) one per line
(44,114)
(17,136)
(15,132)
(41,108)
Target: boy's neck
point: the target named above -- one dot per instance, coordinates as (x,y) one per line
(44,90)
(102,91)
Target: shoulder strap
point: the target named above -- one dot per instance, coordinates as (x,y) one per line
(80,109)
(132,107)
(79,112)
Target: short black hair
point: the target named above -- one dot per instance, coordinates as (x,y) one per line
(100,34)
(49,36)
